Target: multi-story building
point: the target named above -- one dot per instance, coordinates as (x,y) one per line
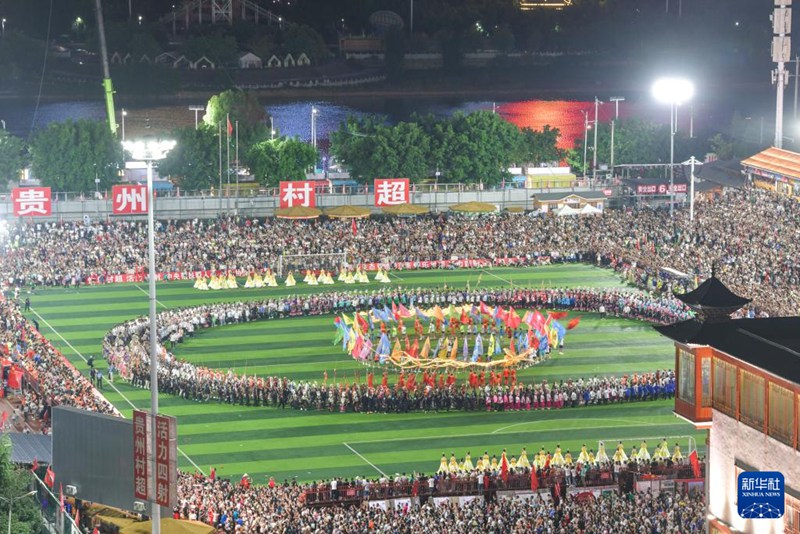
(740,379)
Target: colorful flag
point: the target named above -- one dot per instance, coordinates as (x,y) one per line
(35,465)
(454,350)
(534,480)
(49,477)
(477,352)
(230,126)
(422,315)
(486,310)
(437,313)
(402,311)
(573,323)
(504,467)
(695,463)
(465,350)
(558,315)
(355,228)
(426,349)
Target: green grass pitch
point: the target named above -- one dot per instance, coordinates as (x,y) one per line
(314,445)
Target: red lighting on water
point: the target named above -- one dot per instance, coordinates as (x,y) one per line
(564,115)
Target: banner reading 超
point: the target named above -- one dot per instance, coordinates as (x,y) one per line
(391,191)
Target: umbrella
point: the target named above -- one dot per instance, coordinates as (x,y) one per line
(474,207)
(348,212)
(170,526)
(405,209)
(298,212)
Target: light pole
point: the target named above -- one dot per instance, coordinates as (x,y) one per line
(124,114)
(314,112)
(11,501)
(196,110)
(616,100)
(594,152)
(271,129)
(149,151)
(672,91)
(585,138)
(4,28)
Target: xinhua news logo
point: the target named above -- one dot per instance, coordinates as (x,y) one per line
(761,494)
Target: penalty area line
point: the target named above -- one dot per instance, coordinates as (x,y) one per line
(148,294)
(362,457)
(114,387)
(509,282)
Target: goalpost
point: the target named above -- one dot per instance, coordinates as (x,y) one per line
(298,263)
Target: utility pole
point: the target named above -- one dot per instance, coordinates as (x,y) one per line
(796,74)
(781,50)
(196,110)
(616,100)
(594,155)
(411,20)
(585,138)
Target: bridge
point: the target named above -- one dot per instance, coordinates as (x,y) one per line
(193,12)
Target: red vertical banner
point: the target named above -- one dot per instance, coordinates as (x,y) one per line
(129,199)
(31,201)
(300,193)
(391,191)
(166,461)
(140,440)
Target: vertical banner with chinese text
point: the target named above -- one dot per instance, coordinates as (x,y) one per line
(391,191)
(31,201)
(300,193)
(166,461)
(141,440)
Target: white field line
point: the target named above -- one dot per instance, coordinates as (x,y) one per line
(76,351)
(360,456)
(509,282)
(148,294)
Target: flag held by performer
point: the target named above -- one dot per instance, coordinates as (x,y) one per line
(573,323)
(695,462)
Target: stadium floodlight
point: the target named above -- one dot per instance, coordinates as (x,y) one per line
(149,150)
(672,91)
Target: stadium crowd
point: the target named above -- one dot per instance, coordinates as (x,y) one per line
(752,234)
(278,508)
(49,379)
(126,347)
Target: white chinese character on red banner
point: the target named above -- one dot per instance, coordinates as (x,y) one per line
(129,199)
(31,201)
(297,194)
(391,191)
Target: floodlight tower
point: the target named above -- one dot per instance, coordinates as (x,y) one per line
(781,53)
(672,91)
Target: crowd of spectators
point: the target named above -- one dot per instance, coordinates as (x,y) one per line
(126,347)
(751,234)
(280,508)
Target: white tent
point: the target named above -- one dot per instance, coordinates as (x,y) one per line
(588,209)
(565,210)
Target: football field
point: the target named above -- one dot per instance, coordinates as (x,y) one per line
(314,445)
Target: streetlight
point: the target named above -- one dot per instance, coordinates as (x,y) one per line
(151,150)
(672,91)
(4,28)
(585,138)
(616,100)
(196,110)
(271,128)
(124,114)
(140,20)
(314,112)
(11,501)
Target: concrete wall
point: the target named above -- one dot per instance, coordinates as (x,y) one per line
(732,441)
(262,206)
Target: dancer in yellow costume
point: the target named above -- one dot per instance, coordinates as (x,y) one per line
(619,455)
(453,465)
(592,459)
(248,284)
(523,459)
(494,464)
(257,280)
(568,458)
(214,282)
(231,283)
(443,465)
(602,457)
(468,463)
(677,456)
(644,454)
(479,464)
(662,451)
(558,458)
(289,282)
(485,460)
(634,454)
(583,457)
(201,284)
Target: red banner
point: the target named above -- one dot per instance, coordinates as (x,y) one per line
(140,440)
(301,193)
(31,201)
(391,191)
(166,461)
(129,199)
(659,189)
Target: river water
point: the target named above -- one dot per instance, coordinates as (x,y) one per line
(293,117)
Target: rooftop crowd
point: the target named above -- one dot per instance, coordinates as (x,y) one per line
(751,233)
(126,347)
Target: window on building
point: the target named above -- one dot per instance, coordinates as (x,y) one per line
(781,413)
(686,376)
(751,399)
(791,517)
(705,385)
(725,387)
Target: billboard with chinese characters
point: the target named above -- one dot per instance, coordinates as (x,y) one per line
(31,201)
(659,189)
(300,193)
(129,199)
(391,191)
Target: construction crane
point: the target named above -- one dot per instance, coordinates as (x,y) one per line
(108,87)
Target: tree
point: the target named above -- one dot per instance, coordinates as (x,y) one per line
(68,156)
(13,156)
(285,158)
(239,106)
(194,162)
(539,147)
(15,482)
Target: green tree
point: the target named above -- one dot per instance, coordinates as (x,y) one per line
(303,39)
(239,106)
(221,49)
(15,482)
(68,156)
(285,158)
(194,162)
(539,147)
(13,157)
